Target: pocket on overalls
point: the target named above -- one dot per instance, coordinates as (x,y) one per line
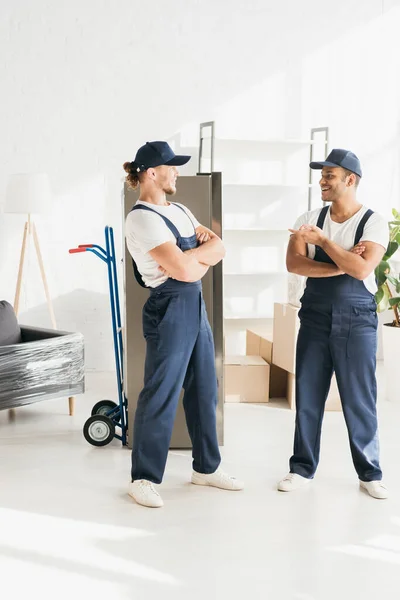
(364,316)
(362,330)
(150,318)
(166,309)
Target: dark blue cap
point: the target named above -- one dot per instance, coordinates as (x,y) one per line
(155,154)
(340,158)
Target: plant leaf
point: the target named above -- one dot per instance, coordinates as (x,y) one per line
(394,232)
(391,249)
(381,271)
(383,303)
(394,301)
(395,213)
(392,280)
(379,295)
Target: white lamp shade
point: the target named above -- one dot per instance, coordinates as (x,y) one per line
(28,193)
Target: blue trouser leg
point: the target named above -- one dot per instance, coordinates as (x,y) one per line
(354,359)
(170,338)
(155,412)
(342,338)
(171,325)
(200,400)
(313,378)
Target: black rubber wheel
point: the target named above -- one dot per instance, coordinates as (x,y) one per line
(103,407)
(99,430)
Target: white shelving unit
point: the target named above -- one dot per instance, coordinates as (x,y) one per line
(256,149)
(266,186)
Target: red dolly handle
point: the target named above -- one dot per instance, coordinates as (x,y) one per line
(80,248)
(83,247)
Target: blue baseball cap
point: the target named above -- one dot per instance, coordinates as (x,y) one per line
(340,158)
(155,154)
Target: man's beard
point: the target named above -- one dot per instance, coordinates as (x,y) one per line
(170,191)
(331,198)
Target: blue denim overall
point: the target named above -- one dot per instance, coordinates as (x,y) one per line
(338,333)
(179,353)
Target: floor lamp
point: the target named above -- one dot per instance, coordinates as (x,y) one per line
(30,194)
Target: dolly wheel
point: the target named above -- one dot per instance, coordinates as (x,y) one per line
(103,407)
(99,430)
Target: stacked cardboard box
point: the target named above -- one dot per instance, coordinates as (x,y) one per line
(246,379)
(259,343)
(286,328)
(269,368)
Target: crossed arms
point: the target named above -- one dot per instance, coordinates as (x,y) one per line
(193,264)
(359,262)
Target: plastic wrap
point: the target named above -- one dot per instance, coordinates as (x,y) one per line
(47,364)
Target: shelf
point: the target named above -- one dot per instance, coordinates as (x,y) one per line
(253,229)
(248,317)
(254,274)
(263,202)
(269,186)
(269,142)
(266,189)
(256,149)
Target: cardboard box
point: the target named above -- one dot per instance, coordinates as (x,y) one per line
(332,402)
(259,343)
(286,328)
(246,379)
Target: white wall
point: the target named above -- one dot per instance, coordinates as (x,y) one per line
(348,82)
(85,82)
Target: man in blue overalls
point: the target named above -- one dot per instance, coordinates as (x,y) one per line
(171,253)
(337,248)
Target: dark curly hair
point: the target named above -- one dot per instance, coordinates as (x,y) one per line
(133,177)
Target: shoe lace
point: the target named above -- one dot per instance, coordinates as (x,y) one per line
(148,486)
(289,477)
(224,475)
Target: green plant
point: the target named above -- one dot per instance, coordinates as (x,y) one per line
(388,294)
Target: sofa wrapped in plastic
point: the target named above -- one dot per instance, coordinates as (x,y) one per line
(37,364)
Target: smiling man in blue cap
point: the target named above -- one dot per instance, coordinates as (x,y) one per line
(171,253)
(337,249)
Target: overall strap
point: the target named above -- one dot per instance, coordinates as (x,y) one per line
(320,224)
(184,210)
(361,225)
(322,217)
(138,276)
(168,223)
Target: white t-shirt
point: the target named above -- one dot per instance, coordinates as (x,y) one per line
(376,230)
(144,231)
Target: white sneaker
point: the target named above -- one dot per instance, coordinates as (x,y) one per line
(376,489)
(292,482)
(144,493)
(218,479)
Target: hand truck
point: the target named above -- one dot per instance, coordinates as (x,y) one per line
(100,428)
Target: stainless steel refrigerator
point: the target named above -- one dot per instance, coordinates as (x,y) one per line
(202,194)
